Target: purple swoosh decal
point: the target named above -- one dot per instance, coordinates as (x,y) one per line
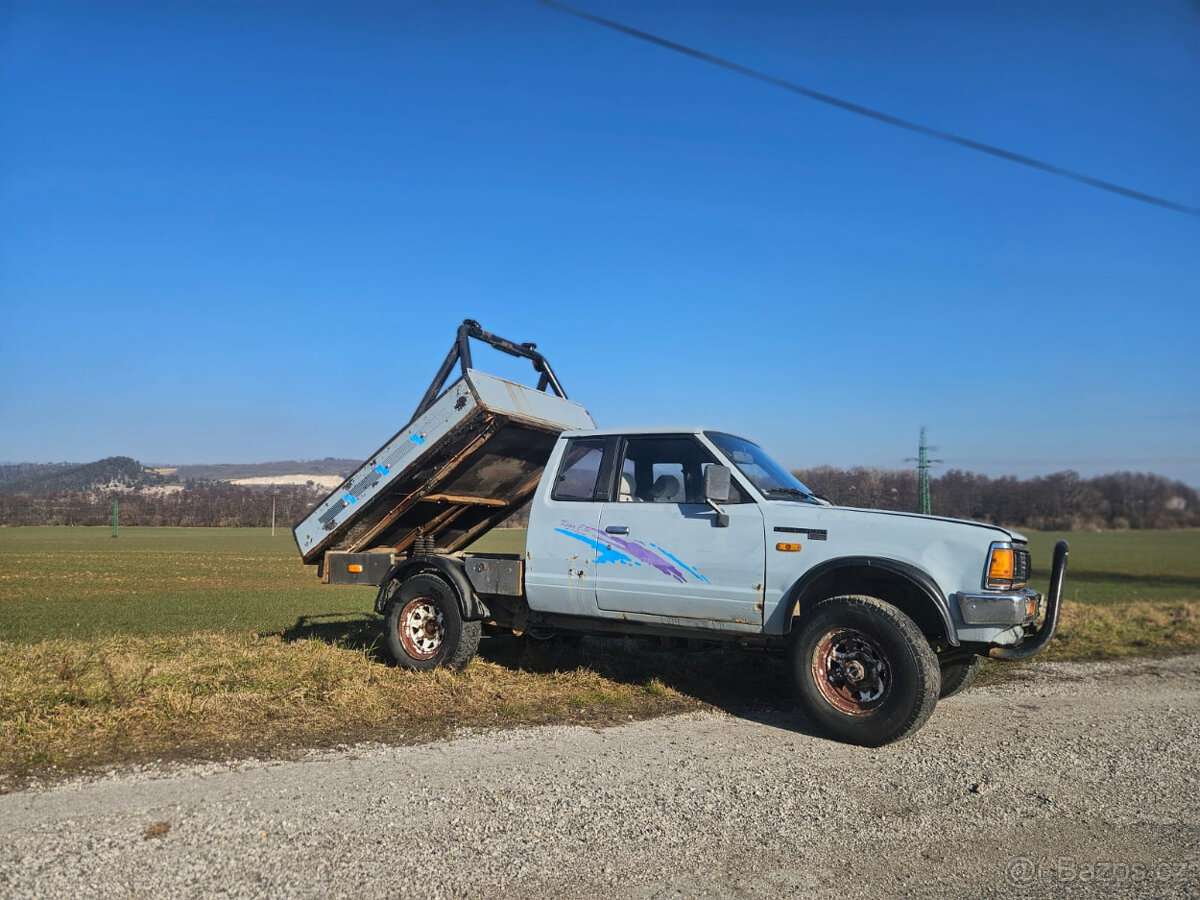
(639,552)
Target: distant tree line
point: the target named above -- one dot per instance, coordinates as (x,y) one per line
(15,472)
(1060,502)
(196,505)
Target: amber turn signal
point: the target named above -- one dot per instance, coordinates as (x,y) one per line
(355,568)
(790,548)
(1001,566)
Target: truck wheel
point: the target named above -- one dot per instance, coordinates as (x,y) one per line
(424,626)
(957,677)
(864,672)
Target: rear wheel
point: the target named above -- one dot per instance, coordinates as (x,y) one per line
(864,672)
(957,677)
(424,627)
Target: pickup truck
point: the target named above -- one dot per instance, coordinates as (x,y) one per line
(685,532)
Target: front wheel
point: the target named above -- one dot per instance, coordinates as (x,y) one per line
(424,627)
(957,677)
(864,672)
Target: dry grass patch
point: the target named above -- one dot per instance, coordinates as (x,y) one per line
(71,704)
(68,705)
(1133,628)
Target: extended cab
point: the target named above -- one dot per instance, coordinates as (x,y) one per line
(676,531)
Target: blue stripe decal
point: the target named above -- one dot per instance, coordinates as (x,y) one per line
(607,554)
(676,559)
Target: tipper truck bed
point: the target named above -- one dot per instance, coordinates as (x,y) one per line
(470,457)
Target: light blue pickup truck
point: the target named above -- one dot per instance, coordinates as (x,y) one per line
(686,532)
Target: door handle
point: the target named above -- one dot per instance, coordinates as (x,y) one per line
(617,529)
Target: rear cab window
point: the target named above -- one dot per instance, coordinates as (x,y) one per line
(579,473)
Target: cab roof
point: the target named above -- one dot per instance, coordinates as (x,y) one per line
(644,430)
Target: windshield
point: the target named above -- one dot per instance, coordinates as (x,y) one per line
(776,482)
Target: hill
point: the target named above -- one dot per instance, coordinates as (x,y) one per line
(115,473)
(10,472)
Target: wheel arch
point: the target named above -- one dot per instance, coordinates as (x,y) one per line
(904,586)
(449,569)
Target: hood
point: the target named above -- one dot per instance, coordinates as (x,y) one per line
(1008,533)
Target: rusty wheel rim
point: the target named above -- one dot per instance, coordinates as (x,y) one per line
(851,671)
(421,628)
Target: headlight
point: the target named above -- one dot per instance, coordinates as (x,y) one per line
(1007,567)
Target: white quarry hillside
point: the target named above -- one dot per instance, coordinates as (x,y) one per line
(325,481)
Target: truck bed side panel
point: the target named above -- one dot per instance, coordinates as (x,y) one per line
(469,461)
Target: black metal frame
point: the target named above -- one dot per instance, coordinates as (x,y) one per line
(461,353)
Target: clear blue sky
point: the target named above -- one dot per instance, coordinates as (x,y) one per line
(243,231)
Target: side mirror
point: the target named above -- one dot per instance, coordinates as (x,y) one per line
(716,490)
(716,484)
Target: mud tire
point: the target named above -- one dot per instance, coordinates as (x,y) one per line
(424,628)
(864,672)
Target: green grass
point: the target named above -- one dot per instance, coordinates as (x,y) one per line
(501,540)
(1120,566)
(80,582)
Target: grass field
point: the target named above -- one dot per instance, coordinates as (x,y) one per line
(81,583)
(197,643)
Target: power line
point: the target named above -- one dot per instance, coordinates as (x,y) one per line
(877,115)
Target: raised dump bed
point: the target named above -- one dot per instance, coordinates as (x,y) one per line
(470,457)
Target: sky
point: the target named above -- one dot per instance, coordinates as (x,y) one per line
(246,231)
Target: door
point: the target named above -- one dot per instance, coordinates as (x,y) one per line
(661,555)
(560,544)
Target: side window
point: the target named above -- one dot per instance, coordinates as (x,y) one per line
(666,470)
(580,470)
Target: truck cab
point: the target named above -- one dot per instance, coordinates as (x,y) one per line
(623,528)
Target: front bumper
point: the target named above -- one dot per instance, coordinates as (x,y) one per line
(1014,608)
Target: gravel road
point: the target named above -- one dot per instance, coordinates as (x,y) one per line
(1073,780)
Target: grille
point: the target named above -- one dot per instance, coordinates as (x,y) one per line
(1021,566)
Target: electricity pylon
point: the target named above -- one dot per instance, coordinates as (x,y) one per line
(923,463)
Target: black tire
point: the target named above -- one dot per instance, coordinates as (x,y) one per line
(547,637)
(424,628)
(864,672)
(957,677)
